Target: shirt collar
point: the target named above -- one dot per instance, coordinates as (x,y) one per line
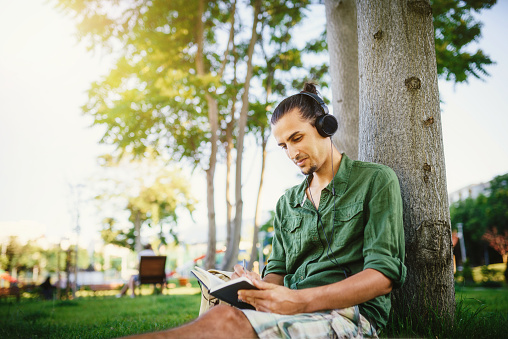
(341,179)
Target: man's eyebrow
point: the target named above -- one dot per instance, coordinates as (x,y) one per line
(289,138)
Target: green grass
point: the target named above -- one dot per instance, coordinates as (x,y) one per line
(95,317)
(481,313)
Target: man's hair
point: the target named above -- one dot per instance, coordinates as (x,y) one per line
(309,108)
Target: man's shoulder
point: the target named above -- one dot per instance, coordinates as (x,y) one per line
(372,168)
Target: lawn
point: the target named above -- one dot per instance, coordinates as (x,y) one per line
(482,313)
(97,317)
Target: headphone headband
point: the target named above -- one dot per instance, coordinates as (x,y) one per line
(318,100)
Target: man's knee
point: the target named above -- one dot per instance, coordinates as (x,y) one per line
(225,313)
(228,318)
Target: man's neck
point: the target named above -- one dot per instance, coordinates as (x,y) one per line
(324,176)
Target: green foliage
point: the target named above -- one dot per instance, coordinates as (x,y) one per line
(455,29)
(153,197)
(153,97)
(467,273)
(497,211)
(10,258)
(481,214)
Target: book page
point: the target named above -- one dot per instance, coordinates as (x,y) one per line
(211,281)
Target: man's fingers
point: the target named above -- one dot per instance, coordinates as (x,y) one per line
(264,285)
(253,276)
(238,271)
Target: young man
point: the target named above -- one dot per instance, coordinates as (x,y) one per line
(338,247)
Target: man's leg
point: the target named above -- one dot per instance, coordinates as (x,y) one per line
(219,322)
(123,290)
(131,285)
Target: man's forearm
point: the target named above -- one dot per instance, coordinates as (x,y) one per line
(354,290)
(274,279)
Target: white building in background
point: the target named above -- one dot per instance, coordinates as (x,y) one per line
(471,191)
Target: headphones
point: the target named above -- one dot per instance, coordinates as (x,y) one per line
(326,124)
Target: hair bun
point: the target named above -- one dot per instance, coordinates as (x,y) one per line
(310,87)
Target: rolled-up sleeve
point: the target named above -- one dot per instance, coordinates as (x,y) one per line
(384,247)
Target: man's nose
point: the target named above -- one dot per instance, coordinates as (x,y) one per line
(292,152)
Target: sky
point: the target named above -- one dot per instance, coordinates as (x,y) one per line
(48,151)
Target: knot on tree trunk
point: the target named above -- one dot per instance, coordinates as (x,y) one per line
(421,7)
(430,243)
(429,121)
(413,83)
(426,170)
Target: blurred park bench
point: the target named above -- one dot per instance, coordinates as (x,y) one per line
(102,287)
(14,290)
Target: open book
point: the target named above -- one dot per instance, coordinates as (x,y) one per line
(224,290)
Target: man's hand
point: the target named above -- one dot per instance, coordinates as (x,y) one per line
(239,271)
(273,298)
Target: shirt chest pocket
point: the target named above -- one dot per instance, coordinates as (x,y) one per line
(291,234)
(348,223)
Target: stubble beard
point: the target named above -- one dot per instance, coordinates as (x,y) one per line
(312,169)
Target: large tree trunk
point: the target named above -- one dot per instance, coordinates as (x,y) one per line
(343,49)
(233,247)
(400,126)
(213,119)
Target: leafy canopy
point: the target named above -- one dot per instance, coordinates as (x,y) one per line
(455,29)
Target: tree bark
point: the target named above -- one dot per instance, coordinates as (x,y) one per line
(343,49)
(233,247)
(400,126)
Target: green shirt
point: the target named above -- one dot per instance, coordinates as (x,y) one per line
(367,232)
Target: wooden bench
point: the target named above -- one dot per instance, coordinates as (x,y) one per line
(103,287)
(6,292)
(152,270)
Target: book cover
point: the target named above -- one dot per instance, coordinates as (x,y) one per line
(225,290)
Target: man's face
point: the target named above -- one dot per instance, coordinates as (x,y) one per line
(301,141)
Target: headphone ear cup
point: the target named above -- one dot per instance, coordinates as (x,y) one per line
(327,125)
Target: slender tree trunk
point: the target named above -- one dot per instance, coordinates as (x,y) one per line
(233,248)
(137,232)
(400,126)
(264,136)
(229,205)
(213,118)
(343,49)
(257,215)
(229,150)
